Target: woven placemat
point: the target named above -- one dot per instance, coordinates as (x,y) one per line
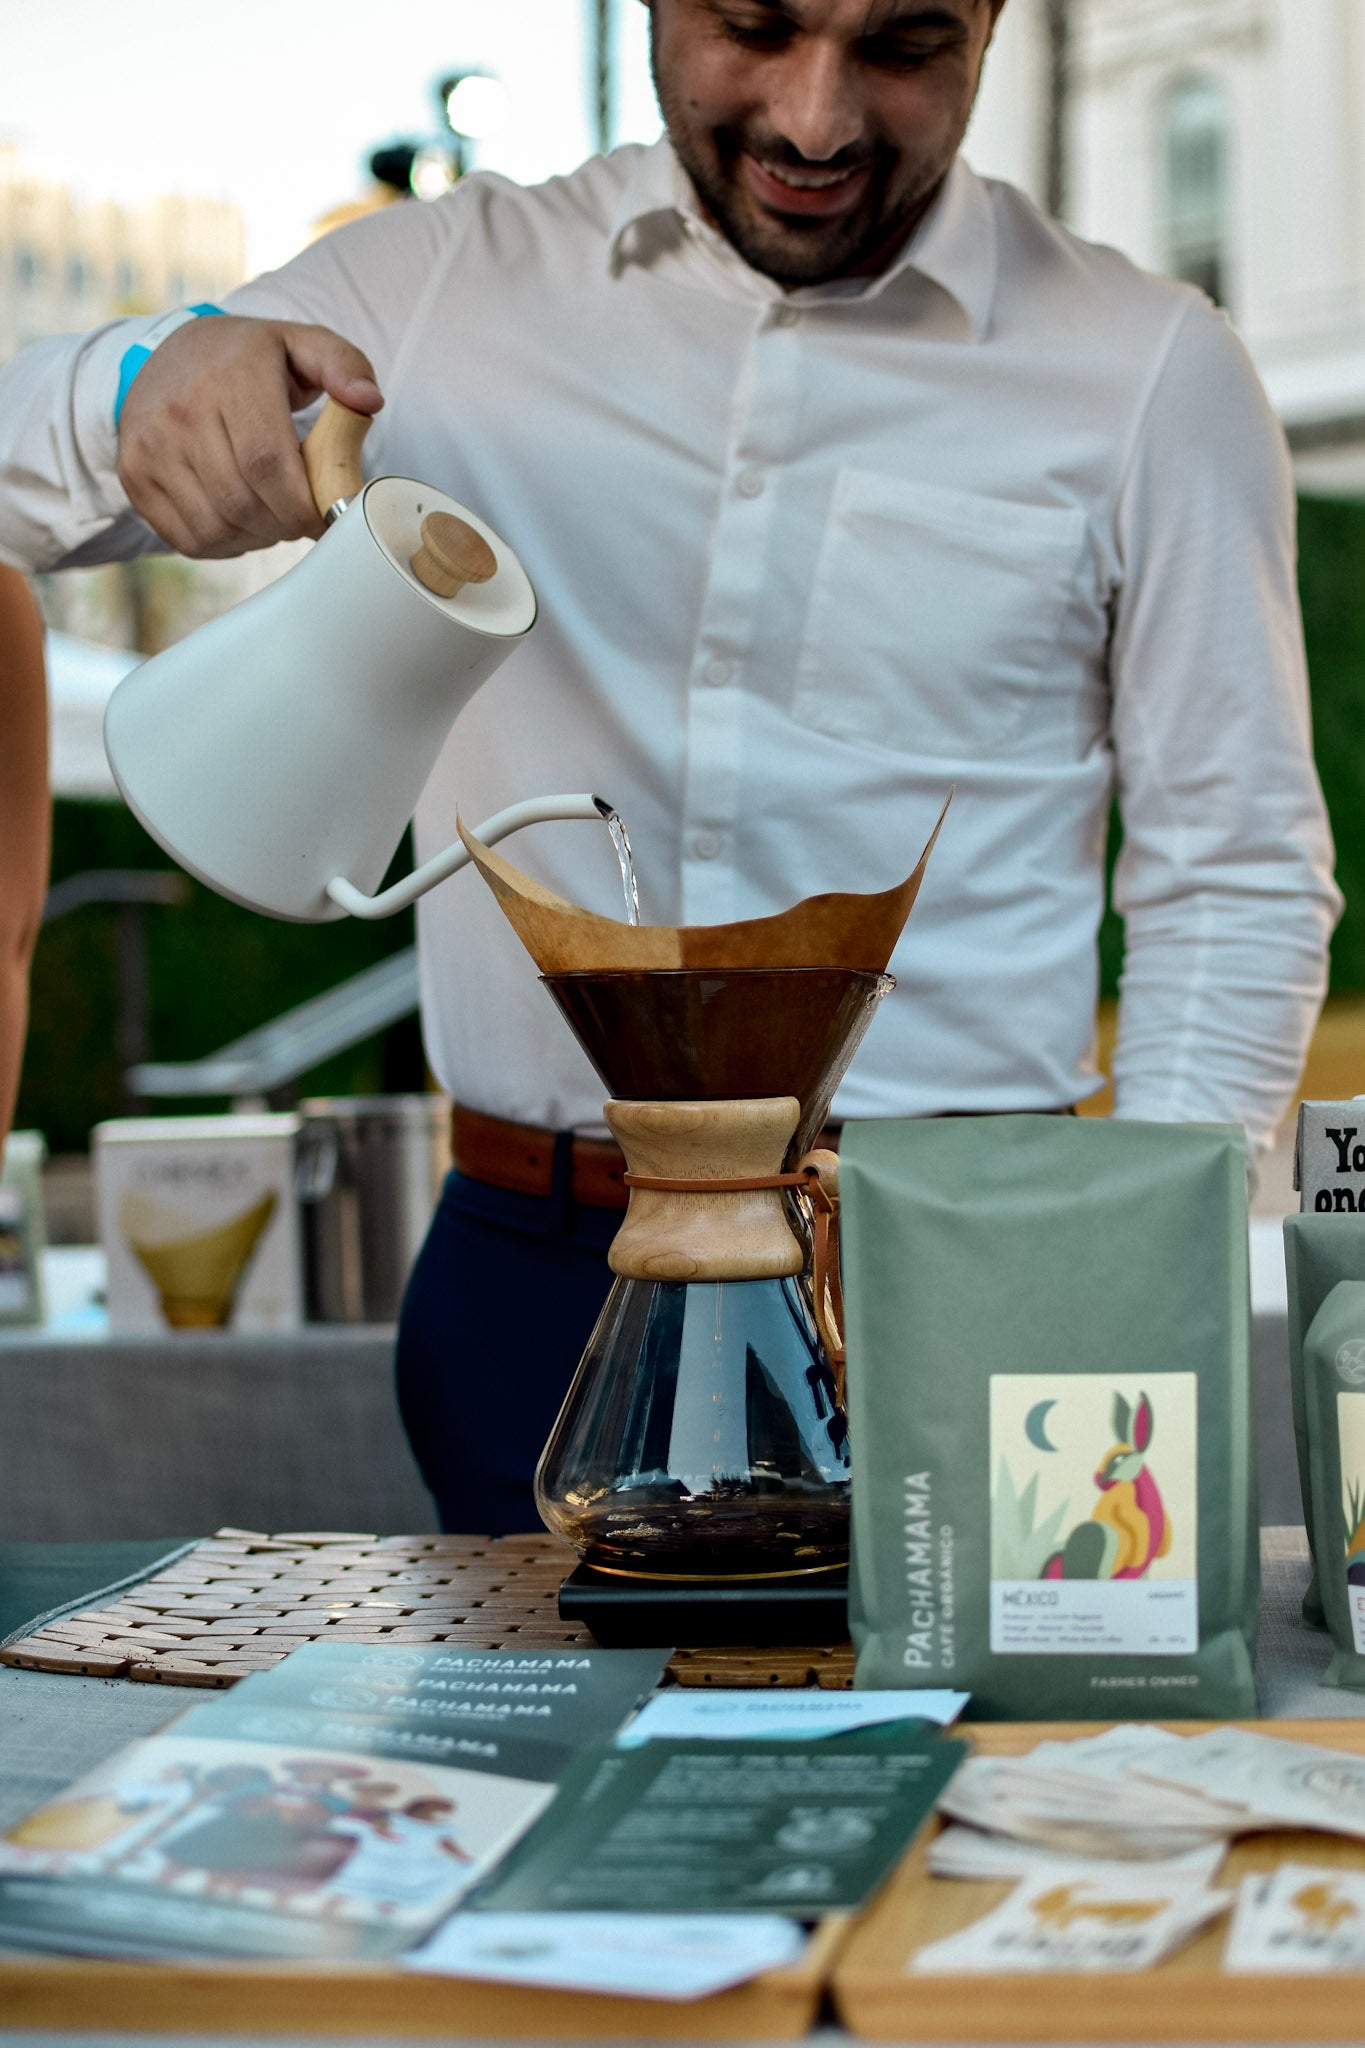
(242,1600)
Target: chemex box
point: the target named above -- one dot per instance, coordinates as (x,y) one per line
(199,1221)
(1329,1157)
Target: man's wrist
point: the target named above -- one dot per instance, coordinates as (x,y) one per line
(160,330)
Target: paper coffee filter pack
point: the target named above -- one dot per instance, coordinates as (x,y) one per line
(195,1272)
(835,930)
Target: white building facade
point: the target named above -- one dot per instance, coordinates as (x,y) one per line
(1222,141)
(67,263)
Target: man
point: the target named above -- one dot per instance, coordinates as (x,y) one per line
(842,476)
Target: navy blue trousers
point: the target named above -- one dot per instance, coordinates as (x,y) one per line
(499,1307)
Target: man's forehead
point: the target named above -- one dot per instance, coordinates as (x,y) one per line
(874,17)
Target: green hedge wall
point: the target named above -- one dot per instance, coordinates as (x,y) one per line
(1332,588)
(214,972)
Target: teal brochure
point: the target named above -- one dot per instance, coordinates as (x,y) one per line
(802,1828)
(338,1805)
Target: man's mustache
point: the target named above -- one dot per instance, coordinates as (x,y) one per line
(774,150)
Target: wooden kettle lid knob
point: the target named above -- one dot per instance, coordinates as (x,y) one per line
(451,555)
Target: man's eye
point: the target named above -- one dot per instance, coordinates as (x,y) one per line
(757,35)
(888,53)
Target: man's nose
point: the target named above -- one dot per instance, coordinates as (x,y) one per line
(815,106)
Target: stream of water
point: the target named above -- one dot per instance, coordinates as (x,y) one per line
(620,839)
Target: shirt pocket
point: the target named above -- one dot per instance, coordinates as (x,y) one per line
(935,616)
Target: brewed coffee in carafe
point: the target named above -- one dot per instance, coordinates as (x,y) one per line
(704,1435)
(706,1439)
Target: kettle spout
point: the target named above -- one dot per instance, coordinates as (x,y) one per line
(534,811)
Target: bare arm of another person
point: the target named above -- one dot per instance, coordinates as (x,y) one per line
(24,829)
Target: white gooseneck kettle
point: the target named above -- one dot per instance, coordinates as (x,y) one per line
(278,753)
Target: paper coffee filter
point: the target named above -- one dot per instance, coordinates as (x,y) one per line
(835,930)
(195,1272)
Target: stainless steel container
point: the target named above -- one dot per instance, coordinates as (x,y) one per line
(370,1173)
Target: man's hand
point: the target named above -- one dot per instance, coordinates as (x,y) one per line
(207,448)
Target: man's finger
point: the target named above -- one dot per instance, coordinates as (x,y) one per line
(237,508)
(165,511)
(197,500)
(320,360)
(263,460)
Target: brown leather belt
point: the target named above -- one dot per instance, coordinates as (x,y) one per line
(521,1158)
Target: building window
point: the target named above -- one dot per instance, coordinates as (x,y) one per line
(77,277)
(1195,155)
(28,265)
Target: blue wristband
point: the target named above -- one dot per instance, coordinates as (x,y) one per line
(136,356)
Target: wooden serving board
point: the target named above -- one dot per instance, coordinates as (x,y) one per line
(242,1600)
(281,1999)
(1187,1998)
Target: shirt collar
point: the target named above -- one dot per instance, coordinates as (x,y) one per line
(955,246)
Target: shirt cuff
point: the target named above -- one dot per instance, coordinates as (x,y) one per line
(94,398)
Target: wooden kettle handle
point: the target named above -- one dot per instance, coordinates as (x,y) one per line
(331,455)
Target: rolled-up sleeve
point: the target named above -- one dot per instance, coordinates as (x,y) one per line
(1225,876)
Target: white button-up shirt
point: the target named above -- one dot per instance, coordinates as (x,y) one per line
(1014,516)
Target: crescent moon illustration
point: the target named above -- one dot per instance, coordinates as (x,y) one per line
(1035,1425)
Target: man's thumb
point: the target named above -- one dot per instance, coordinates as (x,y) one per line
(320,360)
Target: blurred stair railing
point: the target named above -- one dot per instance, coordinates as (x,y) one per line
(130,890)
(267,1060)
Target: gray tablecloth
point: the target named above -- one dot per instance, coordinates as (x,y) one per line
(127,1437)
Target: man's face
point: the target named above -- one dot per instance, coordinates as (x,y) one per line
(817,131)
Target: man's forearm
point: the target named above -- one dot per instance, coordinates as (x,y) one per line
(60,497)
(62,503)
(1224,880)
(1218,1004)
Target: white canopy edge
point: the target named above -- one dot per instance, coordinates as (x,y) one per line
(81,678)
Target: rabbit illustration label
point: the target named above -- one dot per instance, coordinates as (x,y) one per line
(1094,1514)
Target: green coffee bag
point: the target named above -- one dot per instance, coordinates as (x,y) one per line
(1050,1411)
(1319,1251)
(1333,1368)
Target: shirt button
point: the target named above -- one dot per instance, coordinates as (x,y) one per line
(707,845)
(749,483)
(717,673)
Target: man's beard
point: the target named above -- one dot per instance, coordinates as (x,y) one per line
(791,250)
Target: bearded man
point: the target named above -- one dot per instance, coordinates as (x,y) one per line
(842,475)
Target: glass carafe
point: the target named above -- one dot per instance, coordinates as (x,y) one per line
(703,1436)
